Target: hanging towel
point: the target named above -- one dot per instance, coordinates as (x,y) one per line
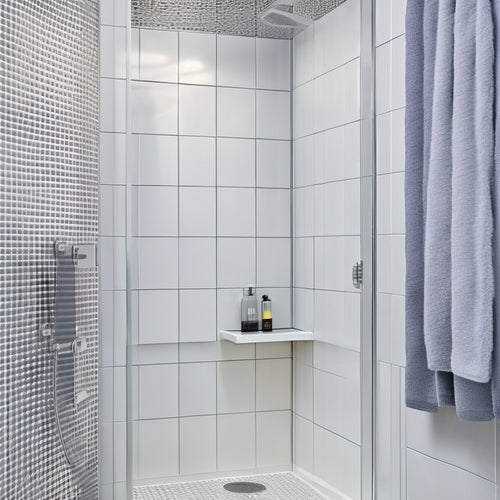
(437,255)
(421,24)
(495,375)
(472,218)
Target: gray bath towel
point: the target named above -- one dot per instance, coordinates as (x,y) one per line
(472,218)
(495,375)
(437,269)
(421,20)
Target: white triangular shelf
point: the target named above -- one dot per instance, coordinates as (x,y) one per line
(278,335)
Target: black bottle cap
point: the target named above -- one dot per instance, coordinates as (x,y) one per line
(266,298)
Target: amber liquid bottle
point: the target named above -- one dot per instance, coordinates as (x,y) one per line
(267,315)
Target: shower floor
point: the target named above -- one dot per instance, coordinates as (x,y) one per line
(280,486)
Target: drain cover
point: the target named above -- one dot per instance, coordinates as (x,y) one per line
(244,487)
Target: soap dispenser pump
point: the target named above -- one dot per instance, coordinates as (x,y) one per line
(249,319)
(267,315)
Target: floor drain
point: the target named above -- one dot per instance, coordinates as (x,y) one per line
(244,487)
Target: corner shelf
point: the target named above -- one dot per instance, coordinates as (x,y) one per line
(278,335)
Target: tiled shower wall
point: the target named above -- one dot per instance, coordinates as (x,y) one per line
(327,244)
(211,211)
(420,455)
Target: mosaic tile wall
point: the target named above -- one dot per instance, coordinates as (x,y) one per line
(48,191)
(225,17)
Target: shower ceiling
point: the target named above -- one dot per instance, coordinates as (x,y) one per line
(226,17)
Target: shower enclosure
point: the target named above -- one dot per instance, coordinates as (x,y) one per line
(249,157)
(49,180)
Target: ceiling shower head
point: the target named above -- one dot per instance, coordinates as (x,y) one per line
(280,14)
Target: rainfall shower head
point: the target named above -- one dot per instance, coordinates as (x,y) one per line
(280,14)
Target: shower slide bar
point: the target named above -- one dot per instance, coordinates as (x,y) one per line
(65,342)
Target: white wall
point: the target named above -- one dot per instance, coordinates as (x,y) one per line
(420,455)
(327,244)
(211,165)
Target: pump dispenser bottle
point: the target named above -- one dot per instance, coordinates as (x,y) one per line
(267,315)
(249,319)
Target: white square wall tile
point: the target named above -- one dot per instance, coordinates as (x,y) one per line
(340,29)
(236,162)
(333,260)
(197,262)
(197,211)
(154,108)
(274,384)
(344,419)
(198,389)
(303,262)
(273,350)
(273,164)
(273,64)
(112,210)
(391,142)
(303,161)
(303,310)
(197,161)
(235,112)
(273,115)
(236,441)
(198,321)
(303,387)
(196,110)
(390,75)
(434,480)
(390,19)
(337,154)
(158,391)
(158,448)
(235,61)
(303,57)
(229,309)
(273,262)
(303,110)
(159,55)
(391,267)
(235,212)
(390,203)
(157,210)
(113,261)
(337,318)
(303,206)
(274,438)
(235,386)
(158,316)
(273,212)
(197,58)
(113,55)
(338,461)
(235,262)
(113,104)
(158,263)
(198,445)
(135,54)
(156,160)
(112,158)
(336,97)
(303,439)
(337,208)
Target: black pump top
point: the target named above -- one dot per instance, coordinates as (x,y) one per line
(266,298)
